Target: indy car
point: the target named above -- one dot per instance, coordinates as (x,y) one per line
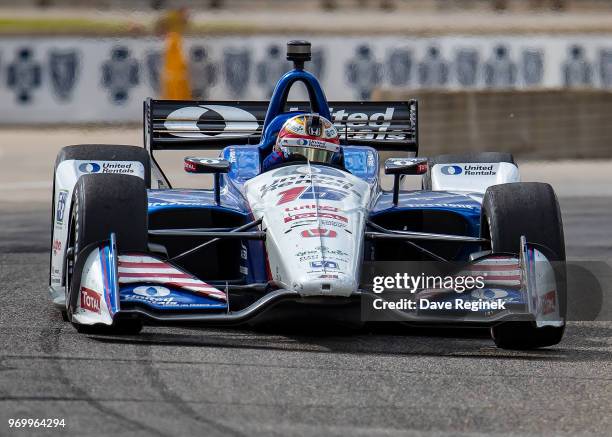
(294,242)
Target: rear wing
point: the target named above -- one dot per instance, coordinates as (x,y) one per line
(187,124)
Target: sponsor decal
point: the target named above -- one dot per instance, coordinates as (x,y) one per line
(315,254)
(62,197)
(549,302)
(151,291)
(489,293)
(90,167)
(325,182)
(312,206)
(324,264)
(306,170)
(319,232)
(162,301)
(190,166)
(90,300)
(451,170)
(480,170)
(115,167)
(314,215)
(236,122)
(333,223)
(57,246)
(470,170)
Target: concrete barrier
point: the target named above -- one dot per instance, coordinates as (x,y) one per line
(549,124)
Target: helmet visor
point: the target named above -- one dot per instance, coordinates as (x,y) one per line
(312,155)
(312,150)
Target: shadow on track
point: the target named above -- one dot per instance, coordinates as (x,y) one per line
(382,341)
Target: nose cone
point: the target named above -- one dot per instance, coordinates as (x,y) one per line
(332,284)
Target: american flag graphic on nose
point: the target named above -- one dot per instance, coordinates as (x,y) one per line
(145,269)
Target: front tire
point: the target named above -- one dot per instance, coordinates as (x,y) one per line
(103,204)
(528,209)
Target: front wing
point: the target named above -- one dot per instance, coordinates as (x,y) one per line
(143,286)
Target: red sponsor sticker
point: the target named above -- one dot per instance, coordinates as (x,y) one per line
(57,246)
(90,300)
(549,302)
(319,232)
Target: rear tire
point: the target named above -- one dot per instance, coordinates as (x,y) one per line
(467,158)
(103,204)
(510,211)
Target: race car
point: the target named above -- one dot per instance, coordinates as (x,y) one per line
(304,239)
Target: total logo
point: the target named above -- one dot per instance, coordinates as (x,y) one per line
(90,300)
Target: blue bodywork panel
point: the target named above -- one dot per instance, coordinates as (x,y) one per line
(175,300)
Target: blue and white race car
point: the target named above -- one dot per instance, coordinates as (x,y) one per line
(303,239)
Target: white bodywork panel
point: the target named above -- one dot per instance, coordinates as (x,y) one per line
(472,177)
(314,241)
(540,282)
(91,305)
(66,176)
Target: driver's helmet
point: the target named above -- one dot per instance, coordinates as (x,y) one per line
(308,136)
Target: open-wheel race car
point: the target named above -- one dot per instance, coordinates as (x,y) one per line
(290,238)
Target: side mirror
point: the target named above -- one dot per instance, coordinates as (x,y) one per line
(206,165)
(404,166)
(409,166)
(209,165)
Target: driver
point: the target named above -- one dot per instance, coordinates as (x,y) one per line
(305,137)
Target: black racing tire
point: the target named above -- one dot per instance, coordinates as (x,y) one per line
(510,211)
(98,152)
(468,158)
(103,204)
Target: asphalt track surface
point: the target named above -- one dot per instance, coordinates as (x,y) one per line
(239,382)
